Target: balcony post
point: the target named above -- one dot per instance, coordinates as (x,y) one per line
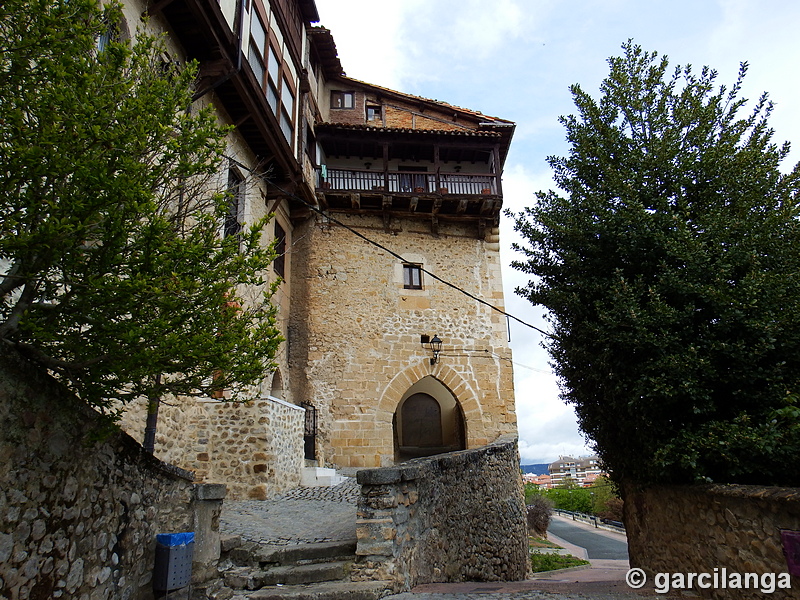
(497,174)
(386,166)
(437,167)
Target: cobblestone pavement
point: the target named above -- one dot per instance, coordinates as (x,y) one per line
(531,594)
(300,516)
(326,514)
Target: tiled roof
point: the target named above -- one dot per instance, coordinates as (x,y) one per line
(466,111)
(454,132)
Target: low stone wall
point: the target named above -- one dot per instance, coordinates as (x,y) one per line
(447,518)
(255,447)
(697,529)
(78,519)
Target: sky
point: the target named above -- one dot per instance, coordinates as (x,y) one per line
(515,59)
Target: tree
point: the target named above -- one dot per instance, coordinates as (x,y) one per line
(538,509)
(671,272)
(605,499)
(114,273)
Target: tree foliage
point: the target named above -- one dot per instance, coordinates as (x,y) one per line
(538,509)
(114,274)
(671,272)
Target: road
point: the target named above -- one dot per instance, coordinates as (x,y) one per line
(599,544)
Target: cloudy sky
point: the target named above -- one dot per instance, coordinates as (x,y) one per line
(515,59)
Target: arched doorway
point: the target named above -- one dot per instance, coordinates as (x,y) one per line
(428,421)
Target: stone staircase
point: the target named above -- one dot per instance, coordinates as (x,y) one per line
(318,571)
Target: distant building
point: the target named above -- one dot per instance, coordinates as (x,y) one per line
(543,481)
(583,470)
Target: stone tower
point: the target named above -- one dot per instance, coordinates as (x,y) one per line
(402,244)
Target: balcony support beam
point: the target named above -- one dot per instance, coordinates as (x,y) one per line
(387,212)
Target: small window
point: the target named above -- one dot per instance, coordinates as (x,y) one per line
(236,189)
(342,99)
(412,277)
(279,264)
(373,113)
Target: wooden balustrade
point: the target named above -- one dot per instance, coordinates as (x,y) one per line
(408,182)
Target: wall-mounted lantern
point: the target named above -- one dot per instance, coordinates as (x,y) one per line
(434,344)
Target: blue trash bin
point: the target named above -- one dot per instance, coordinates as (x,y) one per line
(173,568)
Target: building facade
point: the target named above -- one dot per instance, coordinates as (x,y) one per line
(582,470)
(386,211)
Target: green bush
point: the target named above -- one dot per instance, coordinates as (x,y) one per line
(541,562)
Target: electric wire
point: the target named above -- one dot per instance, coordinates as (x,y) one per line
(399,257)
(489,353)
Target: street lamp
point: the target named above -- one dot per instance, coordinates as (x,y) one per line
(434,344)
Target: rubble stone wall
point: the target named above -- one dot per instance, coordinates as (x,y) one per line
(78,518)
(453,517)
(255,448)
(697,529)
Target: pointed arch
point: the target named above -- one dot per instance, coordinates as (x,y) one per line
(463,392)
(276,387)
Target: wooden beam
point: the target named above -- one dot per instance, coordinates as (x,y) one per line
(355,200)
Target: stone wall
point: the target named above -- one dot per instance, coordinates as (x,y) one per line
(448,518)
(255,448)
(78,518)
(355,332)
(697,529)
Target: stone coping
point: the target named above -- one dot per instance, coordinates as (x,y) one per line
(414,469)
(284,403)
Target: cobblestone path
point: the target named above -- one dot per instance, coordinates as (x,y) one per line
(300,516)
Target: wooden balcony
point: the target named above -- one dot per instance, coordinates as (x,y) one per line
(407,182)
(468,198)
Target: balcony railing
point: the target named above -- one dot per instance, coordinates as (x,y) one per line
(407,182)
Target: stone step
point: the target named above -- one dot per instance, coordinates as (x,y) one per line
(246,578)
(320,477)
(304,553)
(251,554)
(332,590)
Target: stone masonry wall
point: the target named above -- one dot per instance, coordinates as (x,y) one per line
(697,529)
(448,518)
(354,335)
(255,448)
(78,518)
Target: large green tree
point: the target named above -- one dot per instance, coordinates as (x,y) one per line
(114,273)
(670,267)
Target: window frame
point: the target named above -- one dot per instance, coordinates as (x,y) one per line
(279,264)
(272,74)
(376,110)
(409,272)
(343,95)
(237,188)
